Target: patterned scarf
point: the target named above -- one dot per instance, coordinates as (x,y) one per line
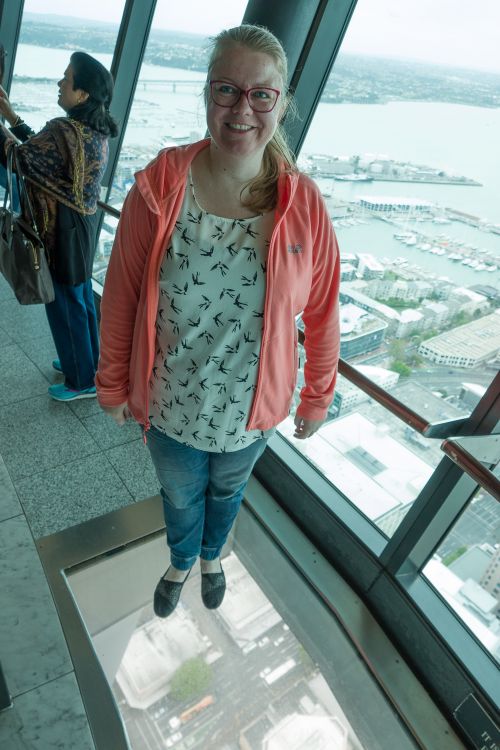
(64,163)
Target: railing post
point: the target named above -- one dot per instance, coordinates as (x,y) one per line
(5,699)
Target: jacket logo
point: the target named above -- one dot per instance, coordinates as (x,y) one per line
(294,248)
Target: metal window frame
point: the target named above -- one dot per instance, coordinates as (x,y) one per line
(11,13)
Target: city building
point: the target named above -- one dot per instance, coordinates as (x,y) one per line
(476,606)
(246,613)
(466,346)
(473,563)
(360,331)
(354,291)
(490,580)
(153,655)
(369,267)
(363,458)
(296,731)
(347,395)
(469,301)
(388,205)
(471,394)
(347,272)
(409,322)
(436,314)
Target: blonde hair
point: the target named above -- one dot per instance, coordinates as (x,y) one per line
(263,189)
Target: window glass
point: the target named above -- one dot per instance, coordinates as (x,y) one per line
(259,672)
(49,34)
(465,570)
(403,146)
(168,107)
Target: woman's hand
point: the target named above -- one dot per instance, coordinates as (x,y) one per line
(119,413)
(6,107)
(304,428)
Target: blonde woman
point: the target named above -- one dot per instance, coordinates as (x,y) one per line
(220,245)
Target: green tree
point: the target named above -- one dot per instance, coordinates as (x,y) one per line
(454,555)
(192,678)
(398,366)
(397,348)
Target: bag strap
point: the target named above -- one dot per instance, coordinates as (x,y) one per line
(23,190)
(7,197)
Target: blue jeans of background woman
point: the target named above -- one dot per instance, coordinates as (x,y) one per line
(73,323)
(202,493)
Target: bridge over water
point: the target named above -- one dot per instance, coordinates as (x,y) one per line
(171,85)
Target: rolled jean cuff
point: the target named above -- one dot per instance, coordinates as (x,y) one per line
(210,553)
(182,563)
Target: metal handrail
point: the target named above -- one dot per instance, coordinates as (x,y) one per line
(444,429)
(109,209)
(471,466)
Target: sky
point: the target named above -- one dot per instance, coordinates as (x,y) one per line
(461,33)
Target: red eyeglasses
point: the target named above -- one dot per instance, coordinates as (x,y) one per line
(260,98)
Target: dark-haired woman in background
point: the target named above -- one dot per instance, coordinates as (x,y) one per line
(64,164)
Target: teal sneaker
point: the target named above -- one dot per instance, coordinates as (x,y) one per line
(61,392)
(56,364)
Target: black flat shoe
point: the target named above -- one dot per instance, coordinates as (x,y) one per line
(213,588)
(166,596)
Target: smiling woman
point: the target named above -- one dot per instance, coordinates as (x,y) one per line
(211,380)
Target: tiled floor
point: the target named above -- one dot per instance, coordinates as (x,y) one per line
(60,464)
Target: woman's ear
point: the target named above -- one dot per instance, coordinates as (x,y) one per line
(82,96)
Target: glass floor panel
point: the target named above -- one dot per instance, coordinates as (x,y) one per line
(271,669)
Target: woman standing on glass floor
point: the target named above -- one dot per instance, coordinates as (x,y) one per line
(220,245)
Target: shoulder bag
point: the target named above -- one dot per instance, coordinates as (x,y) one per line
(23,261)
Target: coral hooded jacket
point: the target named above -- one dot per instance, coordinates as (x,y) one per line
(303,274)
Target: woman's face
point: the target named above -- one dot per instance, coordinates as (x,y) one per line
(238,130)
(68,98)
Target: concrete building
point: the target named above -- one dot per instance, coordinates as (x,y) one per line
(354,291)
(296,732)
(436,314)
(369,267)
(347,272)
(490,580)
(246,613)
(400,289)
(347,395)
(473,604)
(466,346)
(473,563)
(361,457)
(471,394)
(360,332)
(409,322)
(469,301)
(388,205)
(154,653)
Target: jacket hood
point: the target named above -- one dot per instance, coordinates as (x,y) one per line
(162,177)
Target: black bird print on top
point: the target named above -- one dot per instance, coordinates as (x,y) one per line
(209,328)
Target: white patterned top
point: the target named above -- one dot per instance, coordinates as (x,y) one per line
(209,328)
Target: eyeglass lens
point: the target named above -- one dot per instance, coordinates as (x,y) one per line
(260,99)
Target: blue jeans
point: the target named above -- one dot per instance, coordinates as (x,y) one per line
(202,493)
(73,323)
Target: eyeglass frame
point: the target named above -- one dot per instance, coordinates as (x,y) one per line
(245,92)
